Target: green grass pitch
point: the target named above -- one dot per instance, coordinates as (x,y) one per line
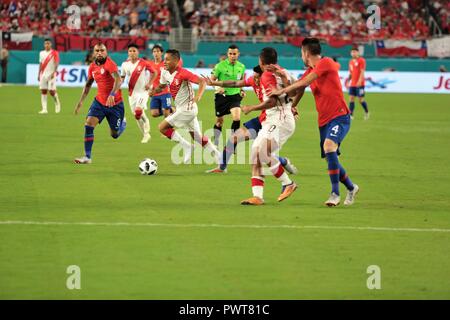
(186,235)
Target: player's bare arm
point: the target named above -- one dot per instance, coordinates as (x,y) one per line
(201,90)
(225,84)
(158,89)
(39,72)
(298,96)
(117,83)
(269,103)
(302,83)
(86,89)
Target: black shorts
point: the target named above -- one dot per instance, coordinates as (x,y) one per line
(223,103)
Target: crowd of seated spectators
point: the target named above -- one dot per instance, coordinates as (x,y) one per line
(344,19)
(268,19)
(98,17)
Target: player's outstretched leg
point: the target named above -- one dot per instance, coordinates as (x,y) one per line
(352,188)
(206,144)
(242,134)
(166,129)
(287,165)
(91,123)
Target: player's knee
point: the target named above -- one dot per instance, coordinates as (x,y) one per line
(138,113)
(155,114)
(329,146)
(114,134)
(52,93)
(44,91)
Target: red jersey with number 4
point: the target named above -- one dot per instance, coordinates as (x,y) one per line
(105,81)
(327,91)
(356,66)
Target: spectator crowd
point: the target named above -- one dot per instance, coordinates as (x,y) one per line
(98,17)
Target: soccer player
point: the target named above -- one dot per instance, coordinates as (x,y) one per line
(250,128)
(334,116)
(277,127)
(161,103)
(228,100)
(48,65)
(138,72)
(357,68)
(108,102)
(179,80)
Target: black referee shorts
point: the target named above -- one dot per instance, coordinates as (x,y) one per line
(223,103)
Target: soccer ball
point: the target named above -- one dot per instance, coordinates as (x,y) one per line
(148,166)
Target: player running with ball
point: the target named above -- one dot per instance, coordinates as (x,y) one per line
(108,102)
(277,127)
(179,80)
(334,116)
(139,78)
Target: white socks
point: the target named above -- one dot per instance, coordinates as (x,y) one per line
(57,103)
(178,138)
(44,102)
(258,186)
(279,173)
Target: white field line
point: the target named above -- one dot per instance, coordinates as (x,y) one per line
(214,225)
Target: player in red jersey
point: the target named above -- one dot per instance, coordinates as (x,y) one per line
(357,68)
(108,102)
(251,128)
(161,103)
(334,116)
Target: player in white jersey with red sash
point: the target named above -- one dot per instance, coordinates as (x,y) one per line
(277,127)
(48,64)
(140,76)
(179,82)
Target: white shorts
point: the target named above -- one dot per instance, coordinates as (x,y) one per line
(47,84)
(184,120)
(138,100)
(278,131)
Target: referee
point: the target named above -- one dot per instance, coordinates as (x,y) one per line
(228,100)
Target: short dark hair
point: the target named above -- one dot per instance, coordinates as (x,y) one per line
(48,39)
(257,69)
(269,56)
(312,45)
(157,46)
(133,45)
(355,49)
(174,53)
(233,46)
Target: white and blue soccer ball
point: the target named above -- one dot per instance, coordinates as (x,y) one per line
(148,166)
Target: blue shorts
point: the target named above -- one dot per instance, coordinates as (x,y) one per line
(253,125)
(114,114)
(356,91)
(335,130)
(161,102)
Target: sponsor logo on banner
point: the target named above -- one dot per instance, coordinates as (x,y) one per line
(430,82)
